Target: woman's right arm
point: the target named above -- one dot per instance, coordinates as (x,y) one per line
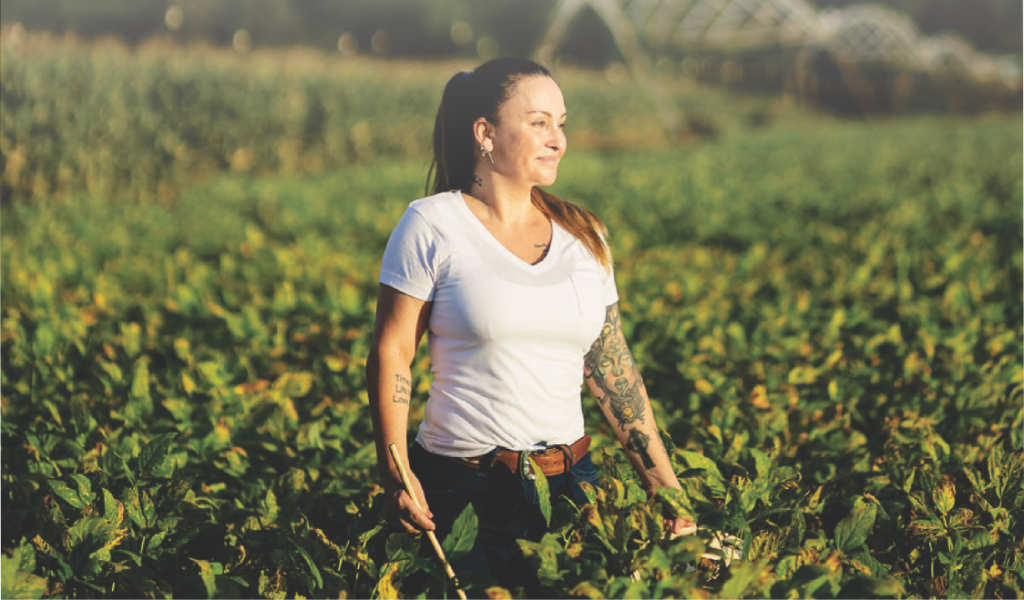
(400,323)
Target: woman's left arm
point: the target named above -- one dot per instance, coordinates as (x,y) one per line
(615,381)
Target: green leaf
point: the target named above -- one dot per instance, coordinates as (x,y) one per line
(109,507)
(544,556)
(140,405)
(44,340)
(807,580)
(83,487)
(180,537)
(140,380)
(315,572)
(80,531)
(16,578)
(854,530)
(174,493)
(208,576)
(132,505)
(148,508)
(712,476)
(427,565)
(460,541)
(153,454)
(113,371)
(1011,475)
(861,586)
(399,545)
(744,580)
(543,491)
(761,463)
(130,333)
(588,491)
(294,385)
(270,508)
(213,374)
(157,540)
(66,493)
(25,556)
(677,501)
(135,557)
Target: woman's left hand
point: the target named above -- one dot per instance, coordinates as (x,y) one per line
(675,527)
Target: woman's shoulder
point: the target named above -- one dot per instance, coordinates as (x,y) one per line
(436,208)
(435,202)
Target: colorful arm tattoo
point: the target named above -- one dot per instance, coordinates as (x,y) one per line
(610,367)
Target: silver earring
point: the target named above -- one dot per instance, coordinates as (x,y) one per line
(487,153)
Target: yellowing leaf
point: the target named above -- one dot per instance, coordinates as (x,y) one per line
(67,493)
(183,349)
(944,496)
(386,588)
(208,577)
(294,385)
(543,491)
(759,397)
(803,375)
(187,383)
(833,390)
(336,363)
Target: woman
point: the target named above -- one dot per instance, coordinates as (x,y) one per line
(515,288)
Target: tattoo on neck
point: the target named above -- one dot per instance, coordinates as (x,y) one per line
(638,442)
(477,180)
(540,245)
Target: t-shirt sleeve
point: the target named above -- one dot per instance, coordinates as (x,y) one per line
(410,258)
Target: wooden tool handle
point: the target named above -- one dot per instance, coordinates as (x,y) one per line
(430,534)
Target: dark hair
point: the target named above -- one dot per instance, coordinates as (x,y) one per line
(470,95)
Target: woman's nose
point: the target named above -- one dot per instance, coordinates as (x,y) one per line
(557,141)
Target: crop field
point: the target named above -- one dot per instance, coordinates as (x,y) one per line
(828,316)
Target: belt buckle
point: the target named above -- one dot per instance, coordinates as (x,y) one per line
(525,468)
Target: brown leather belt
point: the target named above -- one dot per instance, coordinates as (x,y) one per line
(552,461)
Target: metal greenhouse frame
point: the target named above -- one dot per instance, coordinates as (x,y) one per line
(854,36)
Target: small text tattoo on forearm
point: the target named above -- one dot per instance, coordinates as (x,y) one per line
(403,389)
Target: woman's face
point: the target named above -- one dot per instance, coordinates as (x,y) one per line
(528,139)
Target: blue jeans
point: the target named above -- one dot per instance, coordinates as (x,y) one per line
(507,506)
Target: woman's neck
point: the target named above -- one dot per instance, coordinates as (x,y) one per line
(507,202)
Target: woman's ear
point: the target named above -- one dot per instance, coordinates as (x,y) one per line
(482,132)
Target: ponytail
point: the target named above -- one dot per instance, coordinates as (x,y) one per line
(452,165)
(578,221)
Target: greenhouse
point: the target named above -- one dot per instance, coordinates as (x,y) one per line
(862,58)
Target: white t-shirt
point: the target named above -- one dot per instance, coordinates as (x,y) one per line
(507,339)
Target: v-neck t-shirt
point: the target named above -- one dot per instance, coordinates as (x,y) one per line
(507,339)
